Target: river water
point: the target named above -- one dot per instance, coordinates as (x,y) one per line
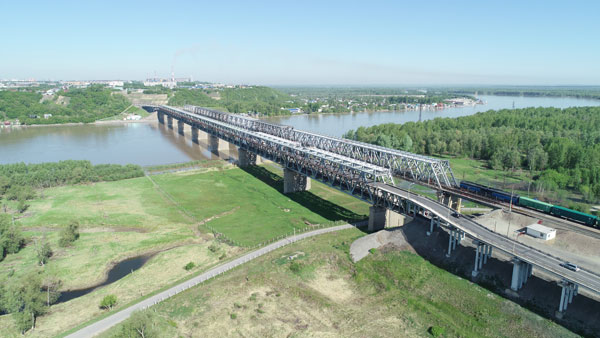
(152,143)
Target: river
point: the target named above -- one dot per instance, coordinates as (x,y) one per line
(151,143)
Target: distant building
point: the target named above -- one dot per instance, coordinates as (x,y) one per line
(132,117)
(47,116)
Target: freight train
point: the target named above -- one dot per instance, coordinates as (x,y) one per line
(554,210)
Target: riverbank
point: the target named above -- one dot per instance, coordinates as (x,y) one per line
(312,288)
(129,218)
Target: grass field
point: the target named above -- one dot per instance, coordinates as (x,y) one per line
(133,217)
(397,294)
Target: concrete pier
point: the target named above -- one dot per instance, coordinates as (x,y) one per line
(161,117)
(482,252)
(246,158)
(454,237)
(381,217)
(170,121)
(180,126)
(435,221)
(452,201)
(292,181)
(521,272)
(195,135)
(568,291)
(216,144)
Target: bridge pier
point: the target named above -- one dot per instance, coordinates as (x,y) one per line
(246,158)
(161,117)
(454,237)
(293,181)
(381,217)
(569,290)
(482,252)
(217,144)
(521,272)
(170,121)
(180,126)
(452,201)
(432,223)
(194,134)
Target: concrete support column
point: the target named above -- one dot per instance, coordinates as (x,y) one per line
(431,224)
(377,218)
(194,134)
(180,126)
(216,144)
(562,306)
(293,181)
(514,284)
(161,117)
(476,267)
(381,217)
(246,158)
(170,121)
(450,240)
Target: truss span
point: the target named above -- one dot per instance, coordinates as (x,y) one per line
(416,167)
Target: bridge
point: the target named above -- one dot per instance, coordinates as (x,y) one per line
(367,172)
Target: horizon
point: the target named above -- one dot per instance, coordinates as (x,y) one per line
(333,44)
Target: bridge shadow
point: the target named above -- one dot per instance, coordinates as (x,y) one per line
(537,295)
(307,199)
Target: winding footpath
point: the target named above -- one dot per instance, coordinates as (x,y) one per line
(116,318)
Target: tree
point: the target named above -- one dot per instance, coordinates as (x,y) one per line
(108,302)
(140,324)
(69,234)
(26,300)
(52,284)
(44,251)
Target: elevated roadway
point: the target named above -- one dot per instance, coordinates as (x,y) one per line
(519,250)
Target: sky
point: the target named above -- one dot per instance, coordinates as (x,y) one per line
(304,42)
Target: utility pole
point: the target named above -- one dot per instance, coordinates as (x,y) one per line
(420,111)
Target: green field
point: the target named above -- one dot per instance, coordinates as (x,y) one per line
(396,294)
(168,213)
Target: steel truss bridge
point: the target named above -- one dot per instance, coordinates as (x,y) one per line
(417,167)
(366,172)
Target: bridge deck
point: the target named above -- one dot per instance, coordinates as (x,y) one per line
(515,248)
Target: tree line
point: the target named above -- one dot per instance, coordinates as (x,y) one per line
(80,105)
(19,181)
(560,146)
(263,100)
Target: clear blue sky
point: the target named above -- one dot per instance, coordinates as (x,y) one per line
(305,42)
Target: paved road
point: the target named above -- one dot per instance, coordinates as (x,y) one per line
(112,320)
(523,252)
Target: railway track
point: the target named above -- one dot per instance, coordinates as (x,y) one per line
(555,222)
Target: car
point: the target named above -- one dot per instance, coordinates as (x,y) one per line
(456,214)
(571,266)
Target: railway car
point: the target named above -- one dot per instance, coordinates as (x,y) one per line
(535,204)
(574,215)
(504,197)
(470,186)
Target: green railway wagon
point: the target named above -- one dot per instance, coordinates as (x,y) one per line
(574,215)
(535,204)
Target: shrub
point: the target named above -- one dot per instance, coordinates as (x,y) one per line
(189,266)
(295,267)
(373,250)
(213,248)
(233,316)
(44,252)
(69,234)
(436,331)
(108,302)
